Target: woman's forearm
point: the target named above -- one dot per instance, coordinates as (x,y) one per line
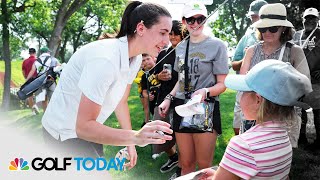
(99,133)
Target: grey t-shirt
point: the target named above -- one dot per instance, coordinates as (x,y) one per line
(205,60)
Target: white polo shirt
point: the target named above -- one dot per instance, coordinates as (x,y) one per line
(101,71)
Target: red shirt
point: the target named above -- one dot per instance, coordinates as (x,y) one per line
(27,65)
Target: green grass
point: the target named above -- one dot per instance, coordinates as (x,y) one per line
(16,74)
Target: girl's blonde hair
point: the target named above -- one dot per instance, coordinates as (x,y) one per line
(276,112)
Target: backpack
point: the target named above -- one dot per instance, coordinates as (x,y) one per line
(50,73)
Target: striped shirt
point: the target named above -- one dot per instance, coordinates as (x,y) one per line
(263,152)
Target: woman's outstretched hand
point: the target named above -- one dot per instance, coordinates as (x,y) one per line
(153,133)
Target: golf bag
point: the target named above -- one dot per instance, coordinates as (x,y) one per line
(45,79)
(29,87)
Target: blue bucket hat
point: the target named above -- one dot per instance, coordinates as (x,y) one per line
(276,81)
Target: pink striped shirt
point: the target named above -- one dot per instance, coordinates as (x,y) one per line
(263,152)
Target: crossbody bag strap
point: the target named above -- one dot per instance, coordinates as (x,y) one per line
(282,52)
(186,73)
(43,64)
(306,41)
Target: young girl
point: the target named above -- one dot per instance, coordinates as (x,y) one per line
(97,81)
(207,69)
(270,91)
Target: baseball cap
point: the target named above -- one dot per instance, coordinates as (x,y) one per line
(255,7)
(44,50)
(192,107)
(277,81)
(194,8)
(311,11)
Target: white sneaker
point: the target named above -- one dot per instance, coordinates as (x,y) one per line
(35,110)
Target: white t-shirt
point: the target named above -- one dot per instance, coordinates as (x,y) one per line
(51,62)
(101,71)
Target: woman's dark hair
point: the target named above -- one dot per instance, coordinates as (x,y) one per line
(178,30)
(287,35)
(136,12)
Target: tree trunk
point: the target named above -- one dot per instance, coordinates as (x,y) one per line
(63,48)
(6,56)
(63,15)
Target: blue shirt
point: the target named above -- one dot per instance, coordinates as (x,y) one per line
(247,40)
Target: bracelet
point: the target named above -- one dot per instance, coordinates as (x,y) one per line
(169,97)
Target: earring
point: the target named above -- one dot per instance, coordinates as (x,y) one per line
(134,31)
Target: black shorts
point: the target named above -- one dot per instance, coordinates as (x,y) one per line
(177,119)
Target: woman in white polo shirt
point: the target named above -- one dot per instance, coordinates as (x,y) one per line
(97,80)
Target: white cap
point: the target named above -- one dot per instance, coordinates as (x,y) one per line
(192,107)
(194,8)
(311,11)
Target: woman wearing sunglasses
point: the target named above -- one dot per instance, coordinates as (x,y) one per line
(274,32)
(205,59)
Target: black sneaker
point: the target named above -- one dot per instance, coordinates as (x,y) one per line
(170,164)
(176,174)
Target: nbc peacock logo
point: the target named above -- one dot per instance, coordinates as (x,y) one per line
(18,164)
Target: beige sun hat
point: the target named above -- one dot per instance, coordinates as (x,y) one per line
(272,15)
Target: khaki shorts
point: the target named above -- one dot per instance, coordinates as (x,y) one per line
(238,116)
(294,128)
(43,93)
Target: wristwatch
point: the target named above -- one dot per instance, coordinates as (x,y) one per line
(207,93)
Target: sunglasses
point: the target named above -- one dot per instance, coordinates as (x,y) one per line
(192,20)
(272,29)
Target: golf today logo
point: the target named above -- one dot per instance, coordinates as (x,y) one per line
(18,165)
(80,163)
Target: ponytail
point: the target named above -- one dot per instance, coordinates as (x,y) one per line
(125,28)
(137,12)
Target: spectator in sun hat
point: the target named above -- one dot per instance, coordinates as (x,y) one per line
(206,65)
(271,89)
(309,40)
(246,41)
(274,33)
